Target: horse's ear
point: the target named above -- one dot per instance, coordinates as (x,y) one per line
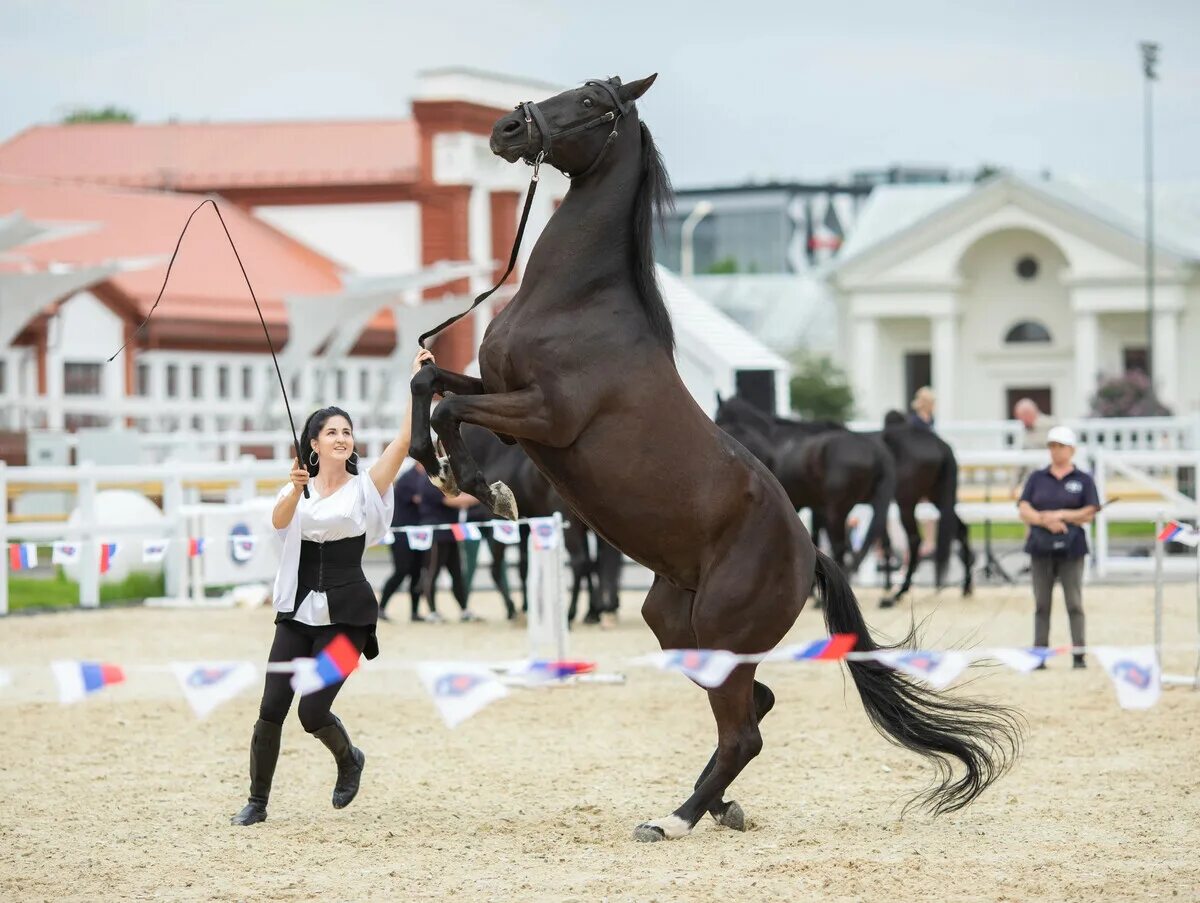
(720,400)
(634,90)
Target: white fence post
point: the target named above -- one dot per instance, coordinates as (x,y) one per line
(4,535)
(1100,476)
(176,558)
(89,548)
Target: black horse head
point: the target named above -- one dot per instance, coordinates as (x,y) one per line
(571,131)
(737,412)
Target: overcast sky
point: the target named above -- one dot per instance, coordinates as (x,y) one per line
(751,88)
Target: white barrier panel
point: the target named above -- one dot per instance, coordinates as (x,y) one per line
(547,616)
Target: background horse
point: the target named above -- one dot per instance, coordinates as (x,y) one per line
(579,369)
(535,497)
(823,467)
(927,469)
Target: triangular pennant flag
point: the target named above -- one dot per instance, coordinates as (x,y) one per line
(419,538)
(195,547)
(207,685)
(64,553)
(332,665)
(22,556)
(1024,660)
(506,532)
(78,679)
(1181,533)
(544,532)
(460,690)
(1135,673)
(389,538)
(108,551)
(242,546)
(154,550)
(938,669)
(707,667)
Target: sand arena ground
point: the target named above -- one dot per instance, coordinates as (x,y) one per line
(128,796)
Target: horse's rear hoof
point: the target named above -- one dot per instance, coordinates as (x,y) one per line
(444,480)
(649,834)
(733,817)
(504,504)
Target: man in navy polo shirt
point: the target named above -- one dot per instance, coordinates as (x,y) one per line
(1056,504)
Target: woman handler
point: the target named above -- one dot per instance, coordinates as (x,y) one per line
(320,589)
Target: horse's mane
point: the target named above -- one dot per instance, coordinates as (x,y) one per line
(654,199)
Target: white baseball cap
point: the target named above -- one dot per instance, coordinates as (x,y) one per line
(1062,435)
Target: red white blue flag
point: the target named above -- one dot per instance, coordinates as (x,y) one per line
(195,547)
(22,556)
(108,551)
(332,665)
(1181,533)
(466,531)
(829,649)
(76,680)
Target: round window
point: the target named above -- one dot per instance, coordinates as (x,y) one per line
(1027,267)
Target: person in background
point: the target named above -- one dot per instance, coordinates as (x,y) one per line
(1056,504)
(1036,427)
(444,553)
(407,562)
(923,404)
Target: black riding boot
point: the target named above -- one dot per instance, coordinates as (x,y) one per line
(264,753)
(349,758)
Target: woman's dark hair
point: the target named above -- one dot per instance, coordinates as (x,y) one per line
(312,429)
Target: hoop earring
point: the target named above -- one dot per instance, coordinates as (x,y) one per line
(353,460)
(312,458)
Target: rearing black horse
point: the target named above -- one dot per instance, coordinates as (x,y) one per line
(579,369)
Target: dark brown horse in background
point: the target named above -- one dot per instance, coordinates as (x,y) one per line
(823,467)
(579,369)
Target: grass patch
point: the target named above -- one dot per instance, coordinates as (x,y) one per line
(1116,530)
(32,593)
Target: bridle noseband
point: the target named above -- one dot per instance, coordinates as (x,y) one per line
(534,115)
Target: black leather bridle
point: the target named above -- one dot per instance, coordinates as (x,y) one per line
(534,116)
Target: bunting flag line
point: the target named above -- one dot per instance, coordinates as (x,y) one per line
(207,685)
(1181,533)
(466,531)
(64,553)
(544,533)
(22,556)
(459,689)
(76,680)
(506,532)
(938,669)
(542,671)
(332,665)
(1026,660)
(831,649)
(420,540)
(108,551)
(707,667)
(154,550)
(1134,672)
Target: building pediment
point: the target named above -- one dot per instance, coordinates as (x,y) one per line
(926,248)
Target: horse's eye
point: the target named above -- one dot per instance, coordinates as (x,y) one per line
(587,101)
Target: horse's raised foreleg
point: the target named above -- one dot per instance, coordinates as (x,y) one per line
(429,381)
(522,414)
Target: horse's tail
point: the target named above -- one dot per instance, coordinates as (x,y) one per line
(946,500)
(982,737)
(881,503)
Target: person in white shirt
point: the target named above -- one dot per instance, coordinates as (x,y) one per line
(320,588)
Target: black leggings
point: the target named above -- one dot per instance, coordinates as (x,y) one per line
(444,554)
(407,563)
(295,640)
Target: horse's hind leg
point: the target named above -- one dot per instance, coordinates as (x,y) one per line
(908,517)
(967,557)
(730,814)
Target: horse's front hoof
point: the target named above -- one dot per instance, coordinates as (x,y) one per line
(444,480)
(733,817)
(887,602)
(649,834)
(504,503)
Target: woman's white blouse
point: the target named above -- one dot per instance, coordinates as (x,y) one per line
(357,508)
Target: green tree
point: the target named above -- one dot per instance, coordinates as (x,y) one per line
(98,114)
(726,266)
(819,389)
